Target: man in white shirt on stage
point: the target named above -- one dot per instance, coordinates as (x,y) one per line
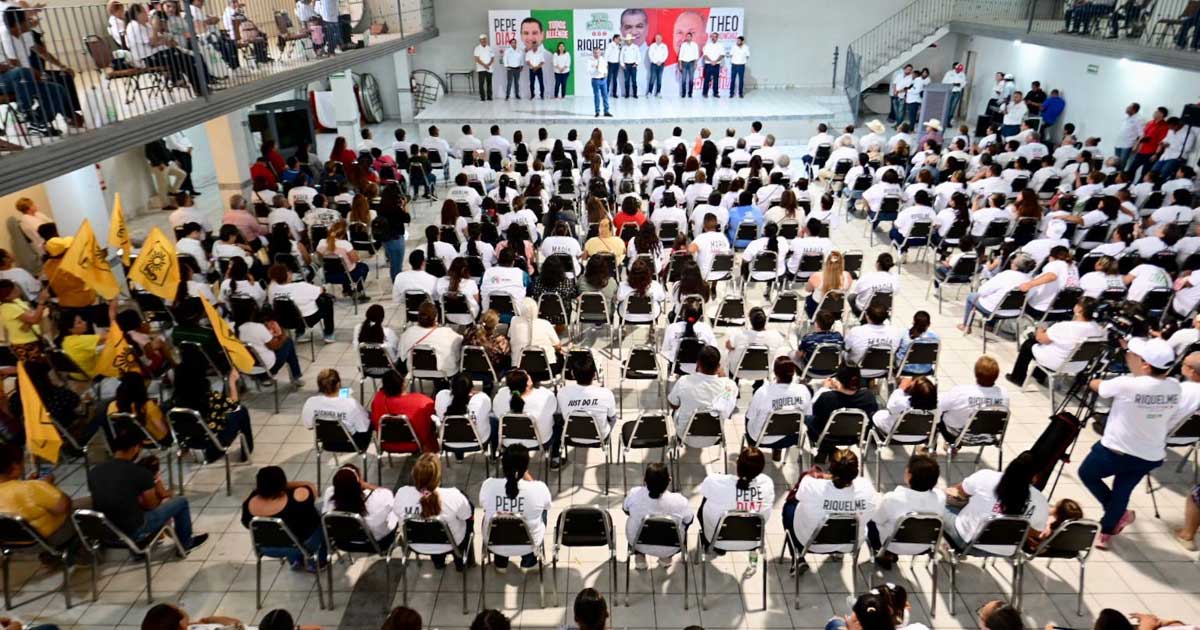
(957,78)
(630,56)
(738,55)
(689,53)
(514,60)
(612,55)
(714,56)
(484,58)
(535,58)
(657,53)
(598,73)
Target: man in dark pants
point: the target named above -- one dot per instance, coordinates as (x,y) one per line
(181,151)
(714,56)
(484,58)
(612,55)
(514,61)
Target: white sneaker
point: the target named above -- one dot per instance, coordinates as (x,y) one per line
(639,562)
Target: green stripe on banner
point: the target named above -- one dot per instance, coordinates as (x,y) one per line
(558,24)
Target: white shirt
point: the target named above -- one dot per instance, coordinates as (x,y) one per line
(722,495)
(871,282)
(657,53)
(594,400)
(1014,113)
(900,501)
(630,54)
(994,290)
(531,503)
(1179,142)
(911,215)
(597,68)
(819,498)
(1131,128)
(957,405)
(1141,415)
(1145,278)
(693,392)
(29,285)
(497,143)
(412,280)
(379,518)
(251,289)
(328,9)
(916,91)
(257,336)
(983,505)
(714,52)
(773,397)
(688,52)
(955,78)
(304,12)
(739,54)
(536,57)
(479,409)
(1065,275)
(861,338)
(513,57)
(303,294)
(455,510)
(1063,338)
(446,344)
(391,342)
(540,406)
(484,54)
(758,246)
(345,410)
(190,214)
(639,505)
(137,38)
(561,62)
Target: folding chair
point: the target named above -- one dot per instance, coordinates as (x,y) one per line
(721,268)
(754,365)
(999,537)
(1010,308)
(877,362)
(647,431)
(832,536)
(1080,358)
(640,305)
(16,534)
(918,234)
(477,364)
(331,436)
(272,533)
(1070,540)
(347,532)
(914,427)
(920,352)
(510,530)
(592,308)
(586,526)
(397,428)
(731,312)
(582,430)
(518,428)
(824,362)
(413,299)
(833,302)
(846,427)
(667,534)
(536,363)
(786,309)
(423,365)
(765,262)
(987,427)
(641,365)
(289,317)
(97,532)
(962,273)
(781,423)
(190,431)
(1061,309)
(921,534)
(373,363)
(262,372)
(116,423)
(1187,434)
(704,429)
(736,531)
(432,535)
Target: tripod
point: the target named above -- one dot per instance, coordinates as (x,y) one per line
(1085,401)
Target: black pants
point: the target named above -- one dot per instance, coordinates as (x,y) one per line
(178,63)
(1024,356)
(68,84)
(324,314)
(228,51)
(185,162)
(485,85)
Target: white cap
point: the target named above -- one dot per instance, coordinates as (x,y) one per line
(482,36)
(1156,352)
(1056,229)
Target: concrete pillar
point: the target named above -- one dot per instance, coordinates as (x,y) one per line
(76,196)
(231,146)
(345,106)
(402,63)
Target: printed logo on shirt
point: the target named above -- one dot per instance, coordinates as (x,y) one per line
(748,500)
(984,401)
(505,504)
(1156,400)
(786,401)
(844,505)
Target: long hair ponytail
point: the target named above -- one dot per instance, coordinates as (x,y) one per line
(514,462)
(427,477)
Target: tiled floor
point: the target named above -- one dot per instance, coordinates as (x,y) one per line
(1145,570)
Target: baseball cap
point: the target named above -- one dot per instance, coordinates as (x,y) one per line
(482,36)
(1156,352)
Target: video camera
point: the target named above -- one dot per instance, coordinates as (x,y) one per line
(1121,320)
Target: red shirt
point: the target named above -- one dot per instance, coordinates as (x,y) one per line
(261,169)
(277,161)
(347,157)
(621,219)
(1152,136)
(418,408)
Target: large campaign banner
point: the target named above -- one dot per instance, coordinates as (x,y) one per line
(583,30)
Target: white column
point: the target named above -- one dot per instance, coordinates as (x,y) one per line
(402,63)
(345,106)
(76,196)
(231,151)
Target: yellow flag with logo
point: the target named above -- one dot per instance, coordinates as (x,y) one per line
(156,267)
(238,354)
(41,436)
(118,231)
(117,356)
(86,260)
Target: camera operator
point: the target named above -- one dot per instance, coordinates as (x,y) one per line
(1052,346)
(1135,434)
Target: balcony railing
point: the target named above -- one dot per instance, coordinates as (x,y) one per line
(78,77)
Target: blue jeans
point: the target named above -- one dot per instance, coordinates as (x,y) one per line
(1140,161)
(394,250)
(175,510)
(630,79)
(355,277)
(1165,168)
(333,35)
(1122,154)
(614,72)
(972,305)
(314,543)
(897,112)
(1127,472)
(600,91)
(737,76)
(835,623)
(512,82)
(687,74)
(560,83)
(535,78)
(21,84)
(1009,131)
(955,98)
(286,355)
(654,86)
(911,111)
(712,75)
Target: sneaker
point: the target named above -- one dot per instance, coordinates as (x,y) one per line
(297,383)
(1012,379)
(1103,542)
(1126,519)
(197,540)
(329,338)
(1187,543)
(639,562)
(555,463)
(607,115)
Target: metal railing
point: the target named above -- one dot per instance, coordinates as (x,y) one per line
(901,31)
(1144,23)
(89,66)
(852,81)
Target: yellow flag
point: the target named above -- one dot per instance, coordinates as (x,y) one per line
(156,267)
(86,260)
(118,232)
(237,351)
(117,357)
(41,436)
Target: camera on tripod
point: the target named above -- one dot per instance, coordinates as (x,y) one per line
(1121,320)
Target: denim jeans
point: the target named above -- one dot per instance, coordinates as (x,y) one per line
(897,112)
(286,355)
(1127,472)
(654,86)
(971,306)
(737,76)
(614,72)
(560,83)
(955,98)
(712,75)
(1122,154)
(1140,161)
(485,84)
(600,91)
(535,78)
(394,249)
(175,510)
(630,76)
(512,82)
(21,84)
(1165,168)
(911,112)
(315,543)
(687,76)
(835,623)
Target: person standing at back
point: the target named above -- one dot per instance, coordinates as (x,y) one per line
(514,61)
(738,55)
(688,54)
(612,55)
(484,58)
(631,56)
(598,73)
(714,56)
(657,54)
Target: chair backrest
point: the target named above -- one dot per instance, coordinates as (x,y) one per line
(732,309)
(1084,353)
(642,363)
(96,530)
(746,231)
(786,307)
(1156,299)
(705,423)
(475,362)
(922,352)
(915,528)
(1001,531)
(739,527)
(374,359)
(584,526)
(845,424)
(765,261)
(835,529)
(502,303)
(269,532)
(964,268)
(552,309)
(189,428)
(507,530)
(1070,539)
(419,530)
(1187,430)
(987,422)
(518,426)
(1013,300)
(784,421)
(660,531)
(348,531)
(639,305)
(581,426)
(288,314)
(424,361)
(914,422)
(16,532)
(877,358)
(754,360)
(398,428)
(332,436)
(825,359)
(459,430)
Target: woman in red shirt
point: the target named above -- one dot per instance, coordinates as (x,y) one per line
(631,212)
(274,158)
(391,399)
(342,153)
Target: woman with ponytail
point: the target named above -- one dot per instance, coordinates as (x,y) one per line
(516,493)
(653,499)
(871,611)
(747,491)
(989,492)
(768,242)
(458,280)
(520,395)
(238,281)
(474,245)
(349,492)
(425,498)
(462,400)
(337,245)
(818,495)
(689,325)
(372,330)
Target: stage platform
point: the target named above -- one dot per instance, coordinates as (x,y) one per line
(791,114)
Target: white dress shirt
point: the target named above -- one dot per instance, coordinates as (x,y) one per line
(484,54)
(714,53)
(657,53)
(688,52)
(739,54)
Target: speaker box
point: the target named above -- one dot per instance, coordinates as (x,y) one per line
(1191,115)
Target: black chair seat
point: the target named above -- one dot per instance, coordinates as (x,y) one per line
(641,442)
